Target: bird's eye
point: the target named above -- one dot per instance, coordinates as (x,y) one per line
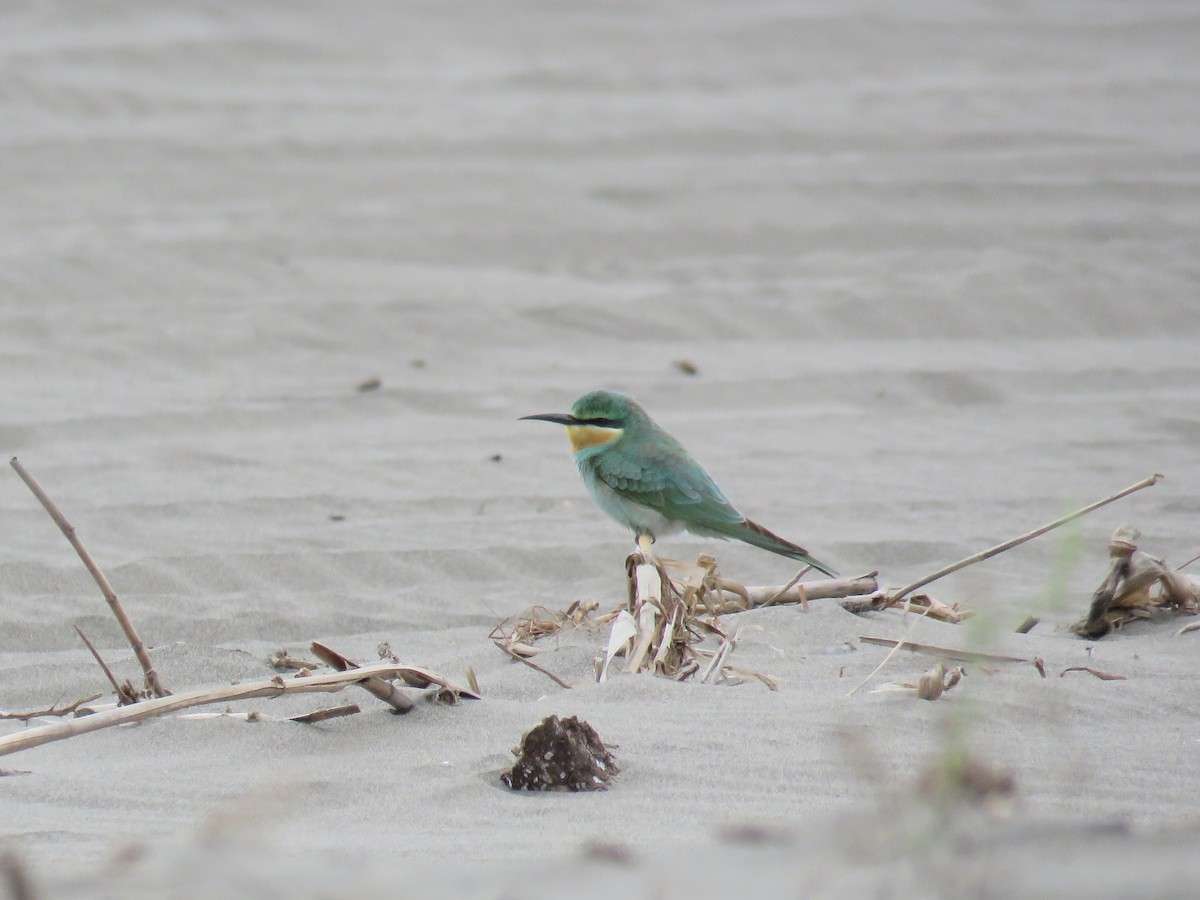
(602,422)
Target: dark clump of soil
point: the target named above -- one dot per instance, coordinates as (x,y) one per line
(561,755)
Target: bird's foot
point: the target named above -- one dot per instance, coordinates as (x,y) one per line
(645,546)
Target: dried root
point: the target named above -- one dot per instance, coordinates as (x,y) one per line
(53,711)
(516,634)
(1103,676)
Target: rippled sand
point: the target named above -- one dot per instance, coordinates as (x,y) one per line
(935,265)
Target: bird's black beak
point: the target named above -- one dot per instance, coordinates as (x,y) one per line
(556,418)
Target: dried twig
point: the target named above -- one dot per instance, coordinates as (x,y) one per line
(125,692)
(774,598)
(862,605)
(1028,625)
(945,652)
(331,712)
(152,681)
(896,596)
(55,710)
(729,673)
(717,662)
(1182,566)
(251,715)
(328,682)
(385,690)
(792,592)
(529,662)
(662,627)
(1008,545)
(1103,676)
(519,632)
(421,678)
(922,603)
(895,649)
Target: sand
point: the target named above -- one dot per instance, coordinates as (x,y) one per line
(935,265)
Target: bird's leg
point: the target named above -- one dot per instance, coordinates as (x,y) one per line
(645,544)
(642,556)
(645,554)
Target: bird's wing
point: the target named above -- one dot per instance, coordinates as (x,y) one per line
(665,478)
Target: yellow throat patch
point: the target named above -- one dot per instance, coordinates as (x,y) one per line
(584,436)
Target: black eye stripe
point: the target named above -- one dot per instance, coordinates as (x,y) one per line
(601,422)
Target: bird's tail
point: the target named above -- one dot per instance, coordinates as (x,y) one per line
(755,534)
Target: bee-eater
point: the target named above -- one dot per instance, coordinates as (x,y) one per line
(643,478)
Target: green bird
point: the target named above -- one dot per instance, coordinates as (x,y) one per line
(643,478)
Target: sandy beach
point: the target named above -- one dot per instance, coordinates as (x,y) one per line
(908,281)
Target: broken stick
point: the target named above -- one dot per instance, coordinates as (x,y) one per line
(975,656)
(767,595)
(384,690)
(125,692)
(529,662)
(139,649)
(988,554)
(330,682)
(55,710)
(1028,536)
